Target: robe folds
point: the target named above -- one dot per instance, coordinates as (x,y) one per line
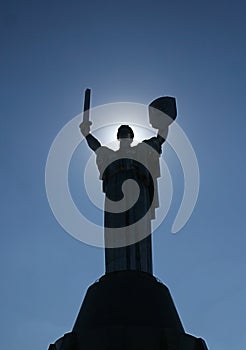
(129,180)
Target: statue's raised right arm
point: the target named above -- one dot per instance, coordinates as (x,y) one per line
(85,126)
(162,112)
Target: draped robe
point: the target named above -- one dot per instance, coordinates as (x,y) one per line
(131,248)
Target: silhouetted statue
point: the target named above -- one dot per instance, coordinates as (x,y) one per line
(129,209)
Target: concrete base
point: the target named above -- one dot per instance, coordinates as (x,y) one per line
(128,310)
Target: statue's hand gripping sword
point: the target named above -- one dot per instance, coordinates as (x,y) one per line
(93,143)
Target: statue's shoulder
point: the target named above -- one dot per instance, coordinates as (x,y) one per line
(149,146)
(153,144)
(104,155)
(104,151)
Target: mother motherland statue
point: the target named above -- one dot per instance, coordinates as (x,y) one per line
(129,177)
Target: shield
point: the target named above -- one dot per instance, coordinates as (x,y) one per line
(162,112)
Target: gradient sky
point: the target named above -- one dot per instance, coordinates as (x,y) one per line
(130,51)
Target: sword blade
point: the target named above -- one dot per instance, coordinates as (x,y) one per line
(87,101)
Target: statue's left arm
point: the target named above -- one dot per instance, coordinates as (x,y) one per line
(157,141)
(162,135)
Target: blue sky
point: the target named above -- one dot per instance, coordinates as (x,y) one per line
(131,51)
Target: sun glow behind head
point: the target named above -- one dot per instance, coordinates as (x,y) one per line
(107,135)
(116,114)
(106,121)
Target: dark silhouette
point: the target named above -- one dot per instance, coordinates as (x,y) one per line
(129,309)
(129,229)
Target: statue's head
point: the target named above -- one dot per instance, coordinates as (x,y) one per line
(125,132)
